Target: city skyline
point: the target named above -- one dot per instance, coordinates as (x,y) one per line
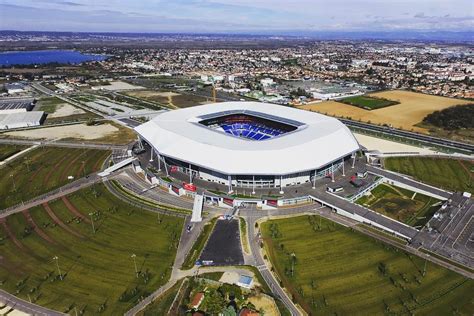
(223,16)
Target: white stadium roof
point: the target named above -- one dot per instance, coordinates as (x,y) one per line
(319,140)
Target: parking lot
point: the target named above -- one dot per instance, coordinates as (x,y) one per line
(223,246)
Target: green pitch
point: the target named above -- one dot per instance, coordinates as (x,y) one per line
(401,204)
(97,268)
(450,174)
(368,103)
(332,270)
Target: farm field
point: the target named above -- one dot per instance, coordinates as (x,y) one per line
(10,150)
(342,271)
(450,174)
(45,169)
(411,111)
(401,204)
(367,102)
(97,269)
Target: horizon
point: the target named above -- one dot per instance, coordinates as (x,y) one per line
(237,17)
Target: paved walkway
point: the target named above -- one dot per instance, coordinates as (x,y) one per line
(25,306)
(55,194)
(57,143)
(24,151)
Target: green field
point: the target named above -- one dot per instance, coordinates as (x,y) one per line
(338,271)
(44,169)
(450,174)
(10,150)
(368,103)
(97,269)
(162,305)
(401,204)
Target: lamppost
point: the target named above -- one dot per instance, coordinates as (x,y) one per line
(57,265)
(135,264)
(92,222)
(13,180)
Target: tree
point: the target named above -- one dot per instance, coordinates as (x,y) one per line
(215,302)
(229,311)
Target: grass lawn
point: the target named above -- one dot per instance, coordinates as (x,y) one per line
(162,305)
(367,102)
(340,271)
(243,235)
(10,150)
(98,270)
(48,104)
(45,169)
(451,174)
(401,204)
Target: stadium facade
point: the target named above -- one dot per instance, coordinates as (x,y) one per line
(248,144)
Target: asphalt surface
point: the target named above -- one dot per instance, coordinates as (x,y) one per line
(224,247)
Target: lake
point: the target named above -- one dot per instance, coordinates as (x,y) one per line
(46,56)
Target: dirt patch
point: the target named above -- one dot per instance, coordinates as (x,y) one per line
(387,146)
(150,94)
(118,85)
(11,235)
(265,303)
(74,210)
(79,131)
(65,109)
(37,230)
(412,109)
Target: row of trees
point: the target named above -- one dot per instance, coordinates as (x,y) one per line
(452,118)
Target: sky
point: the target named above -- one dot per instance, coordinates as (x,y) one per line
(239,16)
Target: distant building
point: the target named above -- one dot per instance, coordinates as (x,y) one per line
(19,120)
(16,105)
(15,88)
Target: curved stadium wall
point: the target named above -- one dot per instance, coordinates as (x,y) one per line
(249,144)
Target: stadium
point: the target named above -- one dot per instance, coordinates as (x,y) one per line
(248,144)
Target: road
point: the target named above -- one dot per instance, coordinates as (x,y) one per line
(54,143)
(55,194)
(429,140)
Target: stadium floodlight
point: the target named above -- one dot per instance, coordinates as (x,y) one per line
(55,258)
(133,256)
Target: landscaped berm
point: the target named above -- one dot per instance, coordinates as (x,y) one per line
(45,169)
(449,174)
(95,241)
(403,205)
(333,270)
